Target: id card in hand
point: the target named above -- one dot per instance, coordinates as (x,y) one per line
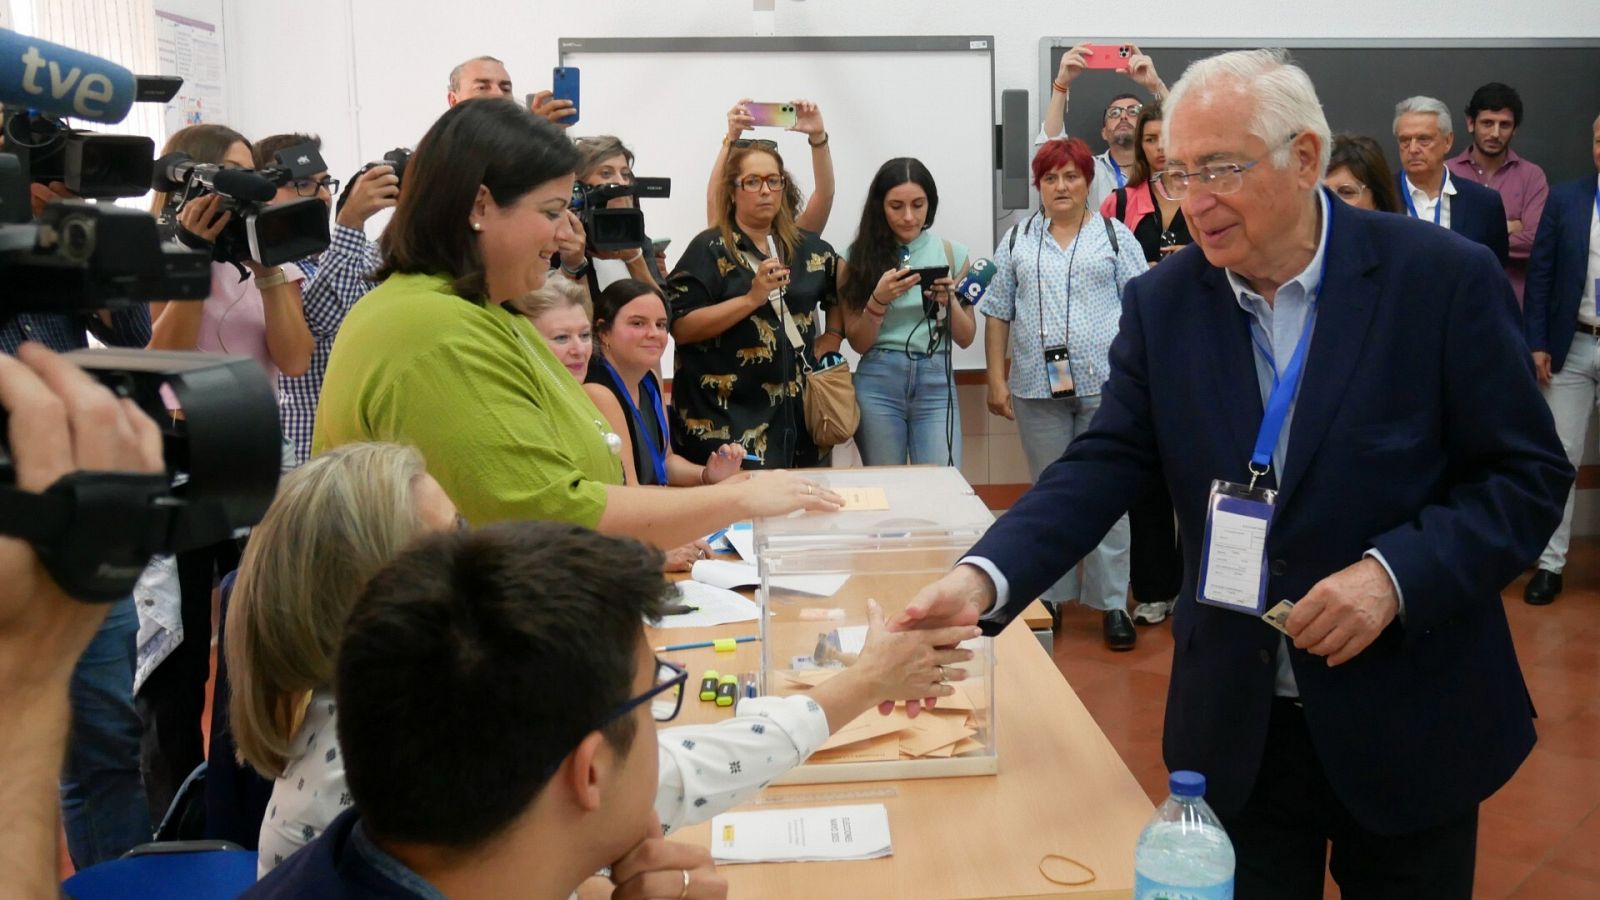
(1058,369)
(1233,571)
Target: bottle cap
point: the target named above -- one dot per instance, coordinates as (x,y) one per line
(1187,784)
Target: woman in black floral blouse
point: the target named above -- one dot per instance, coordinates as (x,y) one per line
(737,377)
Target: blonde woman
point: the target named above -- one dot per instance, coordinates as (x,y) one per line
(336,521)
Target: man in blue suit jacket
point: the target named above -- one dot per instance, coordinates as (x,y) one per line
(1563,330)
(1408,495)
(1422,129)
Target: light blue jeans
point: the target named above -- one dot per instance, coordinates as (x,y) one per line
(1047,427)
(1573,391)
(908,409)
(103,808)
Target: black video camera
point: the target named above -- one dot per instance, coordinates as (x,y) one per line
(616,229)
(92,166)
(395,159)
(269,233)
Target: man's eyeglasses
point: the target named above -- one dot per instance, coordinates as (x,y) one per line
(665,698)
(308,187)
(758,143)
(1218,178)
(1117,112)
(752,183)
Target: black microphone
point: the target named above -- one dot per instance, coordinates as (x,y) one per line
(173,172)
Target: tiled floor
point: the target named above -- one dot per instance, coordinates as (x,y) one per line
(1538,838)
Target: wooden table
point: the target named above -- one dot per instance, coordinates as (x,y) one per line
(1061,789)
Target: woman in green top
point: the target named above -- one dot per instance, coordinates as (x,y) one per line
(436,358)
(903,383)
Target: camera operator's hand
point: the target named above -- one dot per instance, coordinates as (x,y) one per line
(739,118)
(377,189)
(557,111)
(61,421)
(203,218)
(574,246)
(41,194)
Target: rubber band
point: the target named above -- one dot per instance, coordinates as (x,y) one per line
(1065,859)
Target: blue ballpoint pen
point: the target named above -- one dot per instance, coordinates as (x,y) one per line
(696,645)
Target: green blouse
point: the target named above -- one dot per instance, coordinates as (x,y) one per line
(504,428)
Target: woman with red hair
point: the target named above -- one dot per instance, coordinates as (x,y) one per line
(1054,304)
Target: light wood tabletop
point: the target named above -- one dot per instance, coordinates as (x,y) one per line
(1061,789)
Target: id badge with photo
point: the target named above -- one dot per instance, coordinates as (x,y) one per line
(1233,570)
(1058,370)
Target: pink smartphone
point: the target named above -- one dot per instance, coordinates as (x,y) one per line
(1108,56)
(773,115)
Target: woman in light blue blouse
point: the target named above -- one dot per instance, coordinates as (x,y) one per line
(903,384)
(1054,303)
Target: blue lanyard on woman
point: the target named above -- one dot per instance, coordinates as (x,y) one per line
(1411,207)
(658,455)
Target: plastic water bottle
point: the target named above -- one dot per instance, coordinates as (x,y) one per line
(1184,853)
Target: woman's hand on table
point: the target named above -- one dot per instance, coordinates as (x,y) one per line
(682,559)
(778,493)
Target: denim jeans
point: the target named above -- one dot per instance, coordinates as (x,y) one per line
(1572,392)
(909,411)
(1046,428)
(102,795)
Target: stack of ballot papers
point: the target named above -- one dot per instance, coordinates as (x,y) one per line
(949,729)
(802,835)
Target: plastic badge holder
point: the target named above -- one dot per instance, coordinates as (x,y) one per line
(818,571)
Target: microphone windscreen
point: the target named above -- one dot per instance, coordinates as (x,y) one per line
(60,81)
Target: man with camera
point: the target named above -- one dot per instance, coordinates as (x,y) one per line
(61,421)
(335,278)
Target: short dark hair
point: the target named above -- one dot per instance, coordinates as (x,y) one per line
(476,661)
(874,250)
(488,141)
(1495,95)
(1113,100)
(267,149)
(619,294)
(1364,158)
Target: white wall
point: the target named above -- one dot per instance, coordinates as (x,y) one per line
(290,64)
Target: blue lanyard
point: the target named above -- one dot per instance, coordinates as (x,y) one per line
(658,455)
(1411,208)
(1116,170)
(1284,389)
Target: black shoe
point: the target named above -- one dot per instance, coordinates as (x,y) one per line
(1118,630)
(1542,588)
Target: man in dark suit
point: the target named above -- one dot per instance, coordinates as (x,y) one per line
(1423,130)
(1407,496)
(1563,330)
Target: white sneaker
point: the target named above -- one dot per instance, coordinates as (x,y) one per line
(1152,613)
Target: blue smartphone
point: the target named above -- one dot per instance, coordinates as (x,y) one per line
(564,86)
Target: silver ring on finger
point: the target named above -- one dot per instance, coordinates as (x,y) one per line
(944,675)
(685,892)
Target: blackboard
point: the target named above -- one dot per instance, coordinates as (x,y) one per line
(1359,82)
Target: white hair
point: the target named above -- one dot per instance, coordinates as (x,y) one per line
(1422,106)
(1286,102)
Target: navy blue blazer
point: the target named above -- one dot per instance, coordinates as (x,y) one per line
(1395,445)
(1557,268)
(1476,213)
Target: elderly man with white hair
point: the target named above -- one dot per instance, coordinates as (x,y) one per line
(1346,417)
(1423,131)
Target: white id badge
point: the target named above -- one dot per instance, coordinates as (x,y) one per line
(1233,571)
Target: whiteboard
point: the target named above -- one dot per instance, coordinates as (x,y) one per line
(931,98)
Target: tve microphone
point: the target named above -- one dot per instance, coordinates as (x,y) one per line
(975,282)
(60,81)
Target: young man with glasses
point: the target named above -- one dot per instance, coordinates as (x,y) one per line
(1114,167)
(497,707)
(335,278)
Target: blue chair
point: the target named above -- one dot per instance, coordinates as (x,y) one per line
(197,870)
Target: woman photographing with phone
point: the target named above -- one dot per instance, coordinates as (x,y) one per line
(903,383)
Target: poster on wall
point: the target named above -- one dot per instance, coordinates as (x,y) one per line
(192,50)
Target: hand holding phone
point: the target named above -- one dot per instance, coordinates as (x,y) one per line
(564,86)
(1108,56)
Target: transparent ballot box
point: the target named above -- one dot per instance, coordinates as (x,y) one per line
(902,527)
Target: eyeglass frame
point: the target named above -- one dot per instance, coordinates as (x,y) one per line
(1118,112)
(762,181)
(758,143)
(1361,188)
(300,185)
(679,679)
(1236,170)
